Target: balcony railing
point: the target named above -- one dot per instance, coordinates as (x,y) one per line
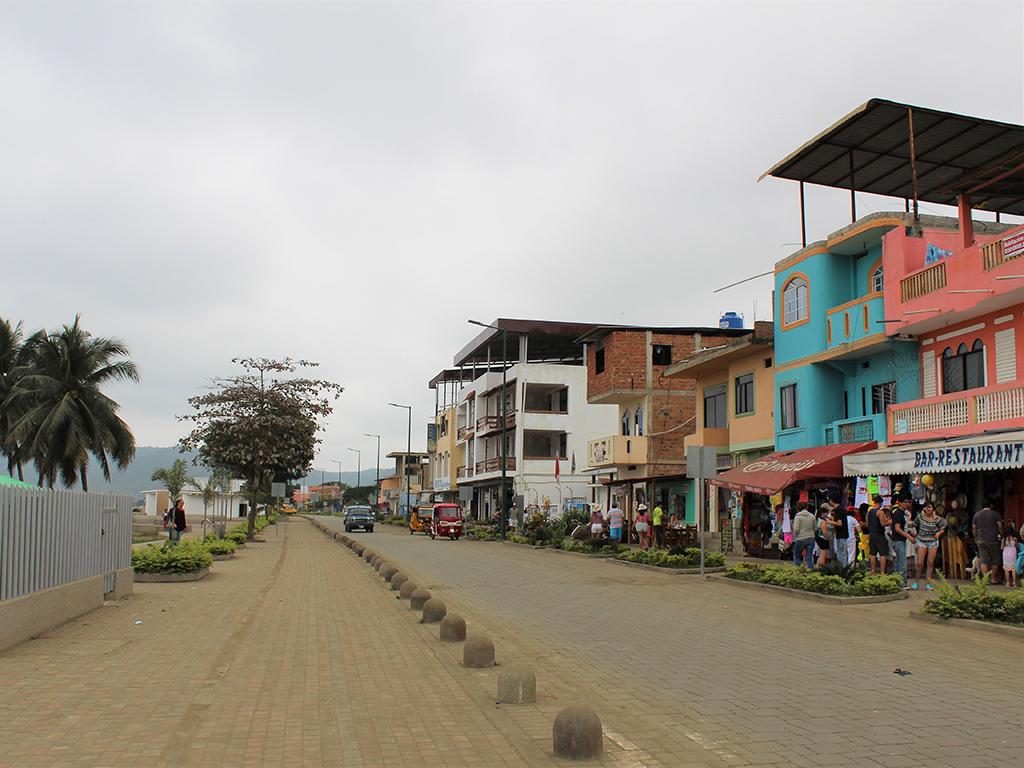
(494,465)
(617,449)
(961,413)
(463,472)
(463,433)
(853,431)
(487,424)
(1003,250)
(922,282)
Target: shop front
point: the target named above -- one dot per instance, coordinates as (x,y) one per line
(764,492)
(959,476)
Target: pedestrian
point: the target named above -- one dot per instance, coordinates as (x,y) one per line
(178,525)
(804,526)
(615,518)
(1010,559)
(853,528)
(930,528)
(643,526)
(878,544)
(900,537)
(659,526)
(823,537)
(840,530)
(596,522)
(988,532)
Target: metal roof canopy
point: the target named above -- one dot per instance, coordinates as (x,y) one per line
(875,148)
(546,341)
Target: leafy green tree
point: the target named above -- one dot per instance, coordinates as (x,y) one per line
(261,423)
(13,352)
(61,416)
(174,478)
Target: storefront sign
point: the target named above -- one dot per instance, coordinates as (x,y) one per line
(1013,246)
(442,484)
(777,466)
(983,456)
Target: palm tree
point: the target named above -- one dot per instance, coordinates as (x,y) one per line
(62,416)
(210,490)
(12,352)
(174,478)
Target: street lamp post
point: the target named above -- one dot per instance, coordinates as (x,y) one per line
(408,450)
(359,466)
(503,521)
(339,482)
(376,484)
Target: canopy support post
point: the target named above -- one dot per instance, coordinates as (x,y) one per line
(913,169)
(803,218)
(963,204)
(853,192)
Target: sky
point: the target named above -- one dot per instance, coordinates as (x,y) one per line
(350,182)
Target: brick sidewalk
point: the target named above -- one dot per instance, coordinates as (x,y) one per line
(292,654)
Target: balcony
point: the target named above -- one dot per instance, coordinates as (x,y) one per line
(617,450)
(494,465)
(487,424)
(928,280)
(463,472)
(463,434)
(862,429)
(958,414)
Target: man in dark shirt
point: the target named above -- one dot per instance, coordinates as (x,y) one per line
(988,532)
(878,544)
(900,515)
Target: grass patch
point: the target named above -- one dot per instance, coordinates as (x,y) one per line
(854,583)
(676,557)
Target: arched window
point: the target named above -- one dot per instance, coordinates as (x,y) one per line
(963,369)
(627,422)
(795,301)
(638,422)
(877,280)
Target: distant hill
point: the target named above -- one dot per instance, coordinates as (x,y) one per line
(136,478)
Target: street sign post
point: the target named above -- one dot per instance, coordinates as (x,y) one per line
(701,463)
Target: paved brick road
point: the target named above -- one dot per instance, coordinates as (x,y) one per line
(690,672)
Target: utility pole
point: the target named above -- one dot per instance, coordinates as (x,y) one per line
(408,451)
(339,482)
(376,485)
(359,466)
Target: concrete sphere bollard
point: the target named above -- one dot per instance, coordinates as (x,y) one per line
(478,652)
(397,580)
(517,685)
(358,549)
(408,587)
(453,628)
(368,554)
(375,561)
(419,598)
(433,611)
(387,571)
(577,734)
(381,564)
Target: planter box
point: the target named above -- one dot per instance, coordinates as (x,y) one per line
(170,578)
(983,626)
(596,556)
(854,600)
(221,557)
(682,571)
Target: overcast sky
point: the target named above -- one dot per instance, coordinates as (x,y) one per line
(350,182)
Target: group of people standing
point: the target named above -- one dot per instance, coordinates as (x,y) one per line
(888,537)
(649,528)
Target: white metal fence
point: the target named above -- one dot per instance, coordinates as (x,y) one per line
(50,538)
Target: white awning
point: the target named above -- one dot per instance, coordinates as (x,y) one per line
(1003,450)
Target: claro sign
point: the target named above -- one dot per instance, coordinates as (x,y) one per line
(778,466)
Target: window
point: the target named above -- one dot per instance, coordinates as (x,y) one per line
(767,362)
(865,311)
(882,395)
(599,360)
(745,394)
(563,400)
(787,410)
(846,325)
(627,419)
(714,407)
(661,354)
(964,369)
(877,281)
(795,301)
(638,422)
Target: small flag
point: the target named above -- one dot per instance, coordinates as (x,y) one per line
(573,468)
(556,468)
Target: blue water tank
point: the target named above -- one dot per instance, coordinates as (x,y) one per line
(730,320)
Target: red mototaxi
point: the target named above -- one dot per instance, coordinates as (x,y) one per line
(447,521)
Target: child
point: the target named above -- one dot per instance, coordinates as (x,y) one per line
(1010,559)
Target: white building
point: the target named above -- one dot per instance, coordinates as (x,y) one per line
(231,505)
(549,421)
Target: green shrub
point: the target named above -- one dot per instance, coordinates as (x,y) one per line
(854,584)
(591,546)
(185,557)
(236,536)
(515,538)
(221,546)
(976,601)
(685,558)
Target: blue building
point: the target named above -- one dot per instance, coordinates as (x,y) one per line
(836,370)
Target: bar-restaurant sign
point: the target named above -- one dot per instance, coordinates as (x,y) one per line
(966,457)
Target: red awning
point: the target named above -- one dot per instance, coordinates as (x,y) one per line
(769,475)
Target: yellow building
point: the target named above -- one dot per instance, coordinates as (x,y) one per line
(446,456)
(735,392)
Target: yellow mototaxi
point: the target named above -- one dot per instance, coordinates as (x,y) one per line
(421,518)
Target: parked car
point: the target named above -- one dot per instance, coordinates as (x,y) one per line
(358,516)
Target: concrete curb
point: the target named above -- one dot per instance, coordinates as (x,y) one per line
(169,578)
(857,600)
(221,558)
(679,571)
(981,626)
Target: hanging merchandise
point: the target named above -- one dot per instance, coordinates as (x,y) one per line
(872,485)
(861,495)
(885,489)
(804,496)
(917,489)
